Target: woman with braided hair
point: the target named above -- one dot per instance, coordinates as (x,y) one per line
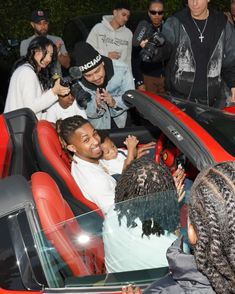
(141,226)
(211,231)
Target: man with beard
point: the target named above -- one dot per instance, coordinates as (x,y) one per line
(106,80)
(40,24)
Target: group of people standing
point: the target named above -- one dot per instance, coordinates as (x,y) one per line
(105,80)
(194,61)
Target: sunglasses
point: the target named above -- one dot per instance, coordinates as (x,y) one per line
(153,12)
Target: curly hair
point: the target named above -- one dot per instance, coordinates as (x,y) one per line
(45,74)
(66,127)
(158,207)
(212,213)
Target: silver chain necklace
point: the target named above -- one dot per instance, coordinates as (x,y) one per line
(201,37)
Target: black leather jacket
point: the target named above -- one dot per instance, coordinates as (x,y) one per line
(180,71)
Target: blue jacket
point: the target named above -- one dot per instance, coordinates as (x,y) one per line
(119,80)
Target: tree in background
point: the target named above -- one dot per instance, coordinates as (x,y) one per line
(15,14)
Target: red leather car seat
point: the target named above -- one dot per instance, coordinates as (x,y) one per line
(63,231)
(16,148)
(53,160)
(5,148)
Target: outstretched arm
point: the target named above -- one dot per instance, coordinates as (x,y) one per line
(131,144)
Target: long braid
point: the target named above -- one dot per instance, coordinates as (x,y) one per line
(230,204)
(208,251)
(62,142)
(155,204)
(212,212)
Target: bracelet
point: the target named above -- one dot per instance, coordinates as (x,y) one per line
(139,83)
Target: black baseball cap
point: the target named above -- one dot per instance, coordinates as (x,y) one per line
(38,15)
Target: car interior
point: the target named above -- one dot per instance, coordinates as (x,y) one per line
(33,150)
(52,159)
(16,143)
(78,253)
(53,210)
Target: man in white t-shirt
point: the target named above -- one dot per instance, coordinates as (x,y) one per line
(92,176)
(94,180)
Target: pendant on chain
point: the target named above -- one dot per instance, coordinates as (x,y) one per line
(201,37)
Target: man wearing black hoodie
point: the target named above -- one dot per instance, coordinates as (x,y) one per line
(200,43)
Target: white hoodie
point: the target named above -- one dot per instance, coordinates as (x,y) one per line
(104,38)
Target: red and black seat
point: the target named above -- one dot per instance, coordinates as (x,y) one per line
(53,160)
(62,229)
(5,148)
(16,148)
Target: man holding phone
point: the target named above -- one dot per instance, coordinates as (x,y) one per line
(106,80)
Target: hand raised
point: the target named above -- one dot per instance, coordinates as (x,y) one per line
(60,90)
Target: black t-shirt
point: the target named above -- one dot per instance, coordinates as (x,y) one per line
(202,52)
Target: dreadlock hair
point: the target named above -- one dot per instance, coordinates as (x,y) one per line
(212,213)
(62,142)
(68,126)
(45,74)
(65,129)
(158,208)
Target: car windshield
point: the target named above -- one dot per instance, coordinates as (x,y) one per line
(79,252)
(219,124)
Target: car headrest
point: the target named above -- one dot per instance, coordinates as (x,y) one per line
(20,124)
(5,148)
(62,228)
(53,160)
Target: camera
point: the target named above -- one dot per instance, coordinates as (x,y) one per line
(144,31)
(81,96)
(148,51)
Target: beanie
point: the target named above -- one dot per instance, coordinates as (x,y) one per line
(86,57)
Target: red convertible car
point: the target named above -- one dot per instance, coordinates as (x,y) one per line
(52,239)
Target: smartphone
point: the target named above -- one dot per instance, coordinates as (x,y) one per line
(101,90)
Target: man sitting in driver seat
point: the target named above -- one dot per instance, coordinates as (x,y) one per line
(93,178)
